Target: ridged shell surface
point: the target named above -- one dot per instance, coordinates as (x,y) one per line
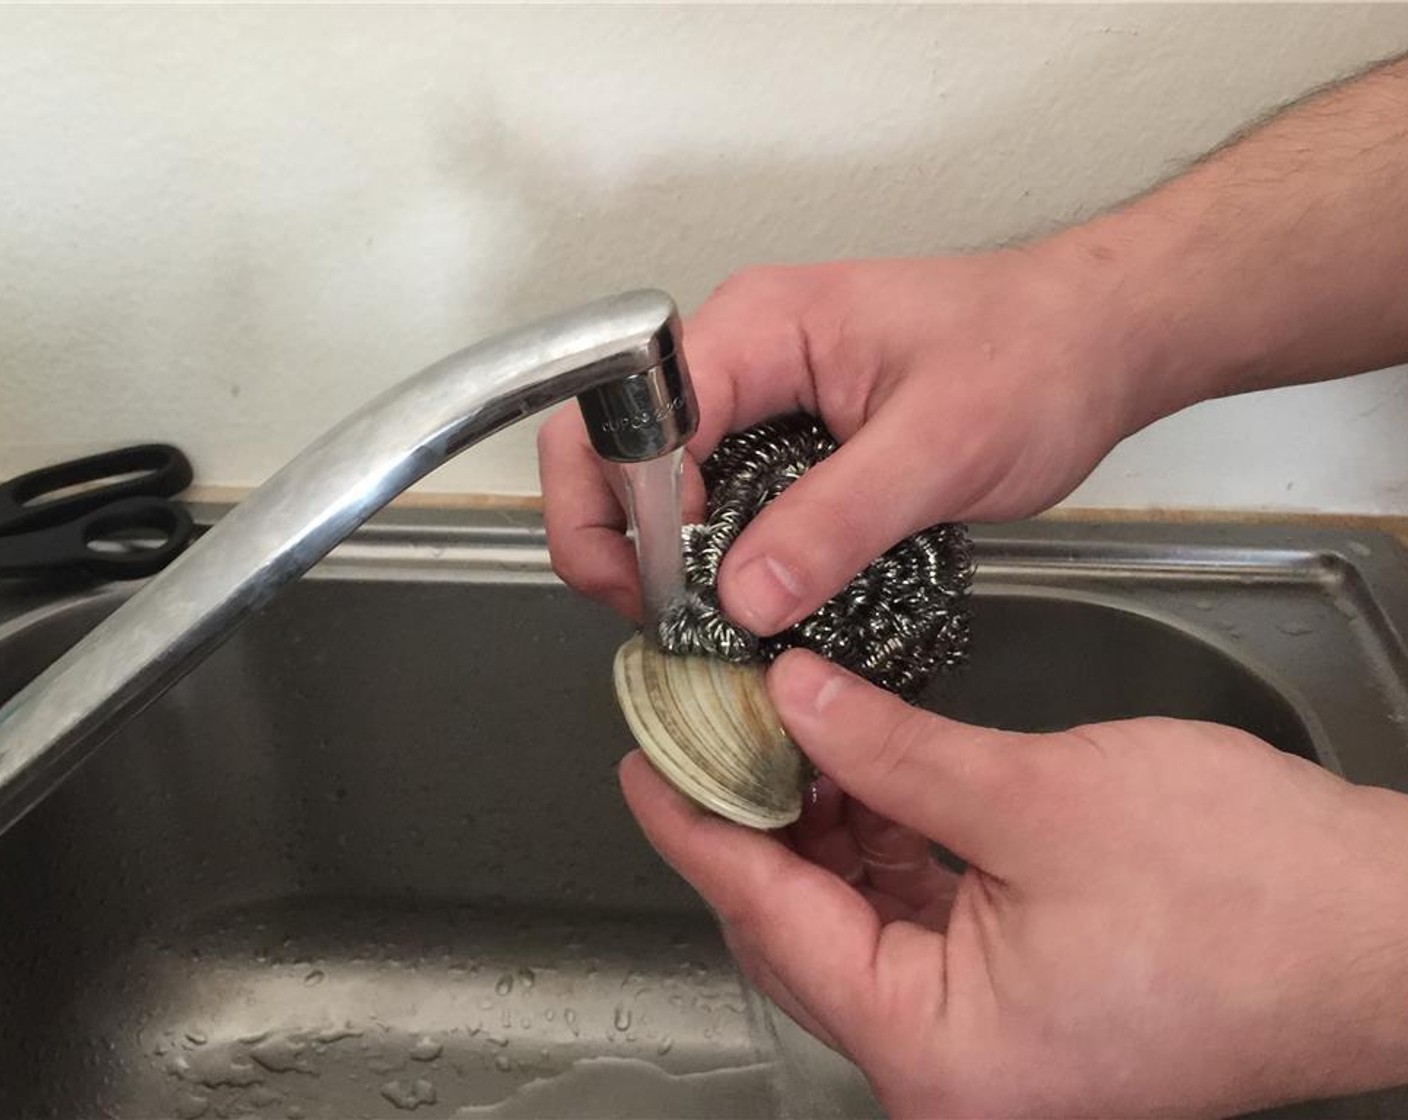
(710,730)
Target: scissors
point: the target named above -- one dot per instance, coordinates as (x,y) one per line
(110,515)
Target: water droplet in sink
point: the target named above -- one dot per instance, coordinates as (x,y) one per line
(569,1016)
(314,977)
(1359,548)
(426,1049)
(189,1106)
(527,977)
(666,1045)
(622,1019)
(505,984)
(1295,629)
(591,1086)
(337,1034)
(409,1095)
(282,1053)
(196,1038)
(502,1063)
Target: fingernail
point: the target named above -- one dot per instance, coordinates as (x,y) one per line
(767,593)
(809,684)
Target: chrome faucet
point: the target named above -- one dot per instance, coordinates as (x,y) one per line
(619,356)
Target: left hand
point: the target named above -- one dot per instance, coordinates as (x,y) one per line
(1158,917)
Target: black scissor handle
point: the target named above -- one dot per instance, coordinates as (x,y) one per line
(152,470)
(102,542)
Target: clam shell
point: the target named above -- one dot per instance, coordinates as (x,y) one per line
(712,733)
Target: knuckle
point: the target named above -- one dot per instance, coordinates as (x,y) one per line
(599,585)
(737,283)
(558,525)
(765,282)
(839,536)
(731,287)
(569,572)
(558,429)
(547,436)
(562,565)
(594,580)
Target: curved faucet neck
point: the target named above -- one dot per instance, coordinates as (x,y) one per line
(620,355)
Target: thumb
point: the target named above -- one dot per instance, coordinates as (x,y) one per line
(874,491)
(976,791)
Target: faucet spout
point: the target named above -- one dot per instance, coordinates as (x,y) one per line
(620,356)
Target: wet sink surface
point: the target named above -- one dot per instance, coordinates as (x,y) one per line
(369,860)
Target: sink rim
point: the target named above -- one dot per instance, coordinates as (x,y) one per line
(1059,561)
(1210,639)
(492,549)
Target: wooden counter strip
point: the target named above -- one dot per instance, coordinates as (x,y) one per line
(1396,525)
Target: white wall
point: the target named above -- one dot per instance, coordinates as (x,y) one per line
(227,226)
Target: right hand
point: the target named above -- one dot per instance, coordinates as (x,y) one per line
(1158,917)
(966,388)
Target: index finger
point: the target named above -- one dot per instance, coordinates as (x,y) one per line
(585,524)
(747,359)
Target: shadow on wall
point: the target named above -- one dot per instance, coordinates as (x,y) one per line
(688,226)
(1052,144)
(377,203)
(1019,143)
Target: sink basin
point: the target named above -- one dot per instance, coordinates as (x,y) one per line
(369,859)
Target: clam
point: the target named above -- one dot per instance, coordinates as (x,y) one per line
(710,730)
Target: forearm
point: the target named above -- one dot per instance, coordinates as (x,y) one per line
(1282,258)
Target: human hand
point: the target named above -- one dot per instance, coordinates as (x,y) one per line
(982,387)
(1158,917)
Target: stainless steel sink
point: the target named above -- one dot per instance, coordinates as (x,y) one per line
(369,859)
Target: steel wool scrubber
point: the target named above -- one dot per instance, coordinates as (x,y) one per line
(695,698)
